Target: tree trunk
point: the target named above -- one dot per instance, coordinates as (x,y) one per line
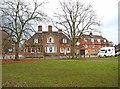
(16,51)
(73,51)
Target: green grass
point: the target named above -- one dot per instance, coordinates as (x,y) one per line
(93,72)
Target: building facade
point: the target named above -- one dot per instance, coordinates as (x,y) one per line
(46,43)
(91,44)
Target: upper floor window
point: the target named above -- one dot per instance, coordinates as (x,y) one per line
(68,50)
(86,46)
(61,50)
(92,40)
(85,39)
(98,40)
(64,40)
(50,40)
(77,43)
(104,40)
(35,41)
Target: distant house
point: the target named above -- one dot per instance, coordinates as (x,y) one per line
(47,43)
(91,44)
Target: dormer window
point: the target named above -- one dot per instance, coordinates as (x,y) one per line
(64,40)
(50,40)
(35,41)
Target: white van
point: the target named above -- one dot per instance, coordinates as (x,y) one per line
(106,51)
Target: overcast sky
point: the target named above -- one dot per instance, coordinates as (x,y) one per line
(107,12)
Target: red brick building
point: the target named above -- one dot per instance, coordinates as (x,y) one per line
(91,44)
(44,43)
(50,42)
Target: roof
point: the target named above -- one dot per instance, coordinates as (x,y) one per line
(93,37)
(45,33)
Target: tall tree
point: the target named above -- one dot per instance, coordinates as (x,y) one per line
(74,18)
(18,17)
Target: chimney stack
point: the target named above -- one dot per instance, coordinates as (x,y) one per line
(59,30)
(49,28)
(39,29)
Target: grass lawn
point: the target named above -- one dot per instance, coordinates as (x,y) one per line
(93,72)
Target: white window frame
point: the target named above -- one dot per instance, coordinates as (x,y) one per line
(99,40)
(50,49)
(35,41)
(78,43)
(92,40)
(47,49)
(52,40)
(32,50)
(64,40)
(104,40)
(86,46)
(62,50)
(86,51)
(93,52)
(85,39)
(39,50)
(26,50)
(68,51)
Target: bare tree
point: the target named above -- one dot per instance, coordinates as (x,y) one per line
(74,18)
(18,17)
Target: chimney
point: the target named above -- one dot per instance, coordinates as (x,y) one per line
(39,29)
(59,30)
(49,28)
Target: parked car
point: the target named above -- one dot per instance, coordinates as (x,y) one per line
(117,53)
(106,51)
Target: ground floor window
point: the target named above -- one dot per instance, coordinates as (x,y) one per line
(93,51)
(39,50)
(68,50)
(61,50)
(86,52)
(51,49)
(32,50)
